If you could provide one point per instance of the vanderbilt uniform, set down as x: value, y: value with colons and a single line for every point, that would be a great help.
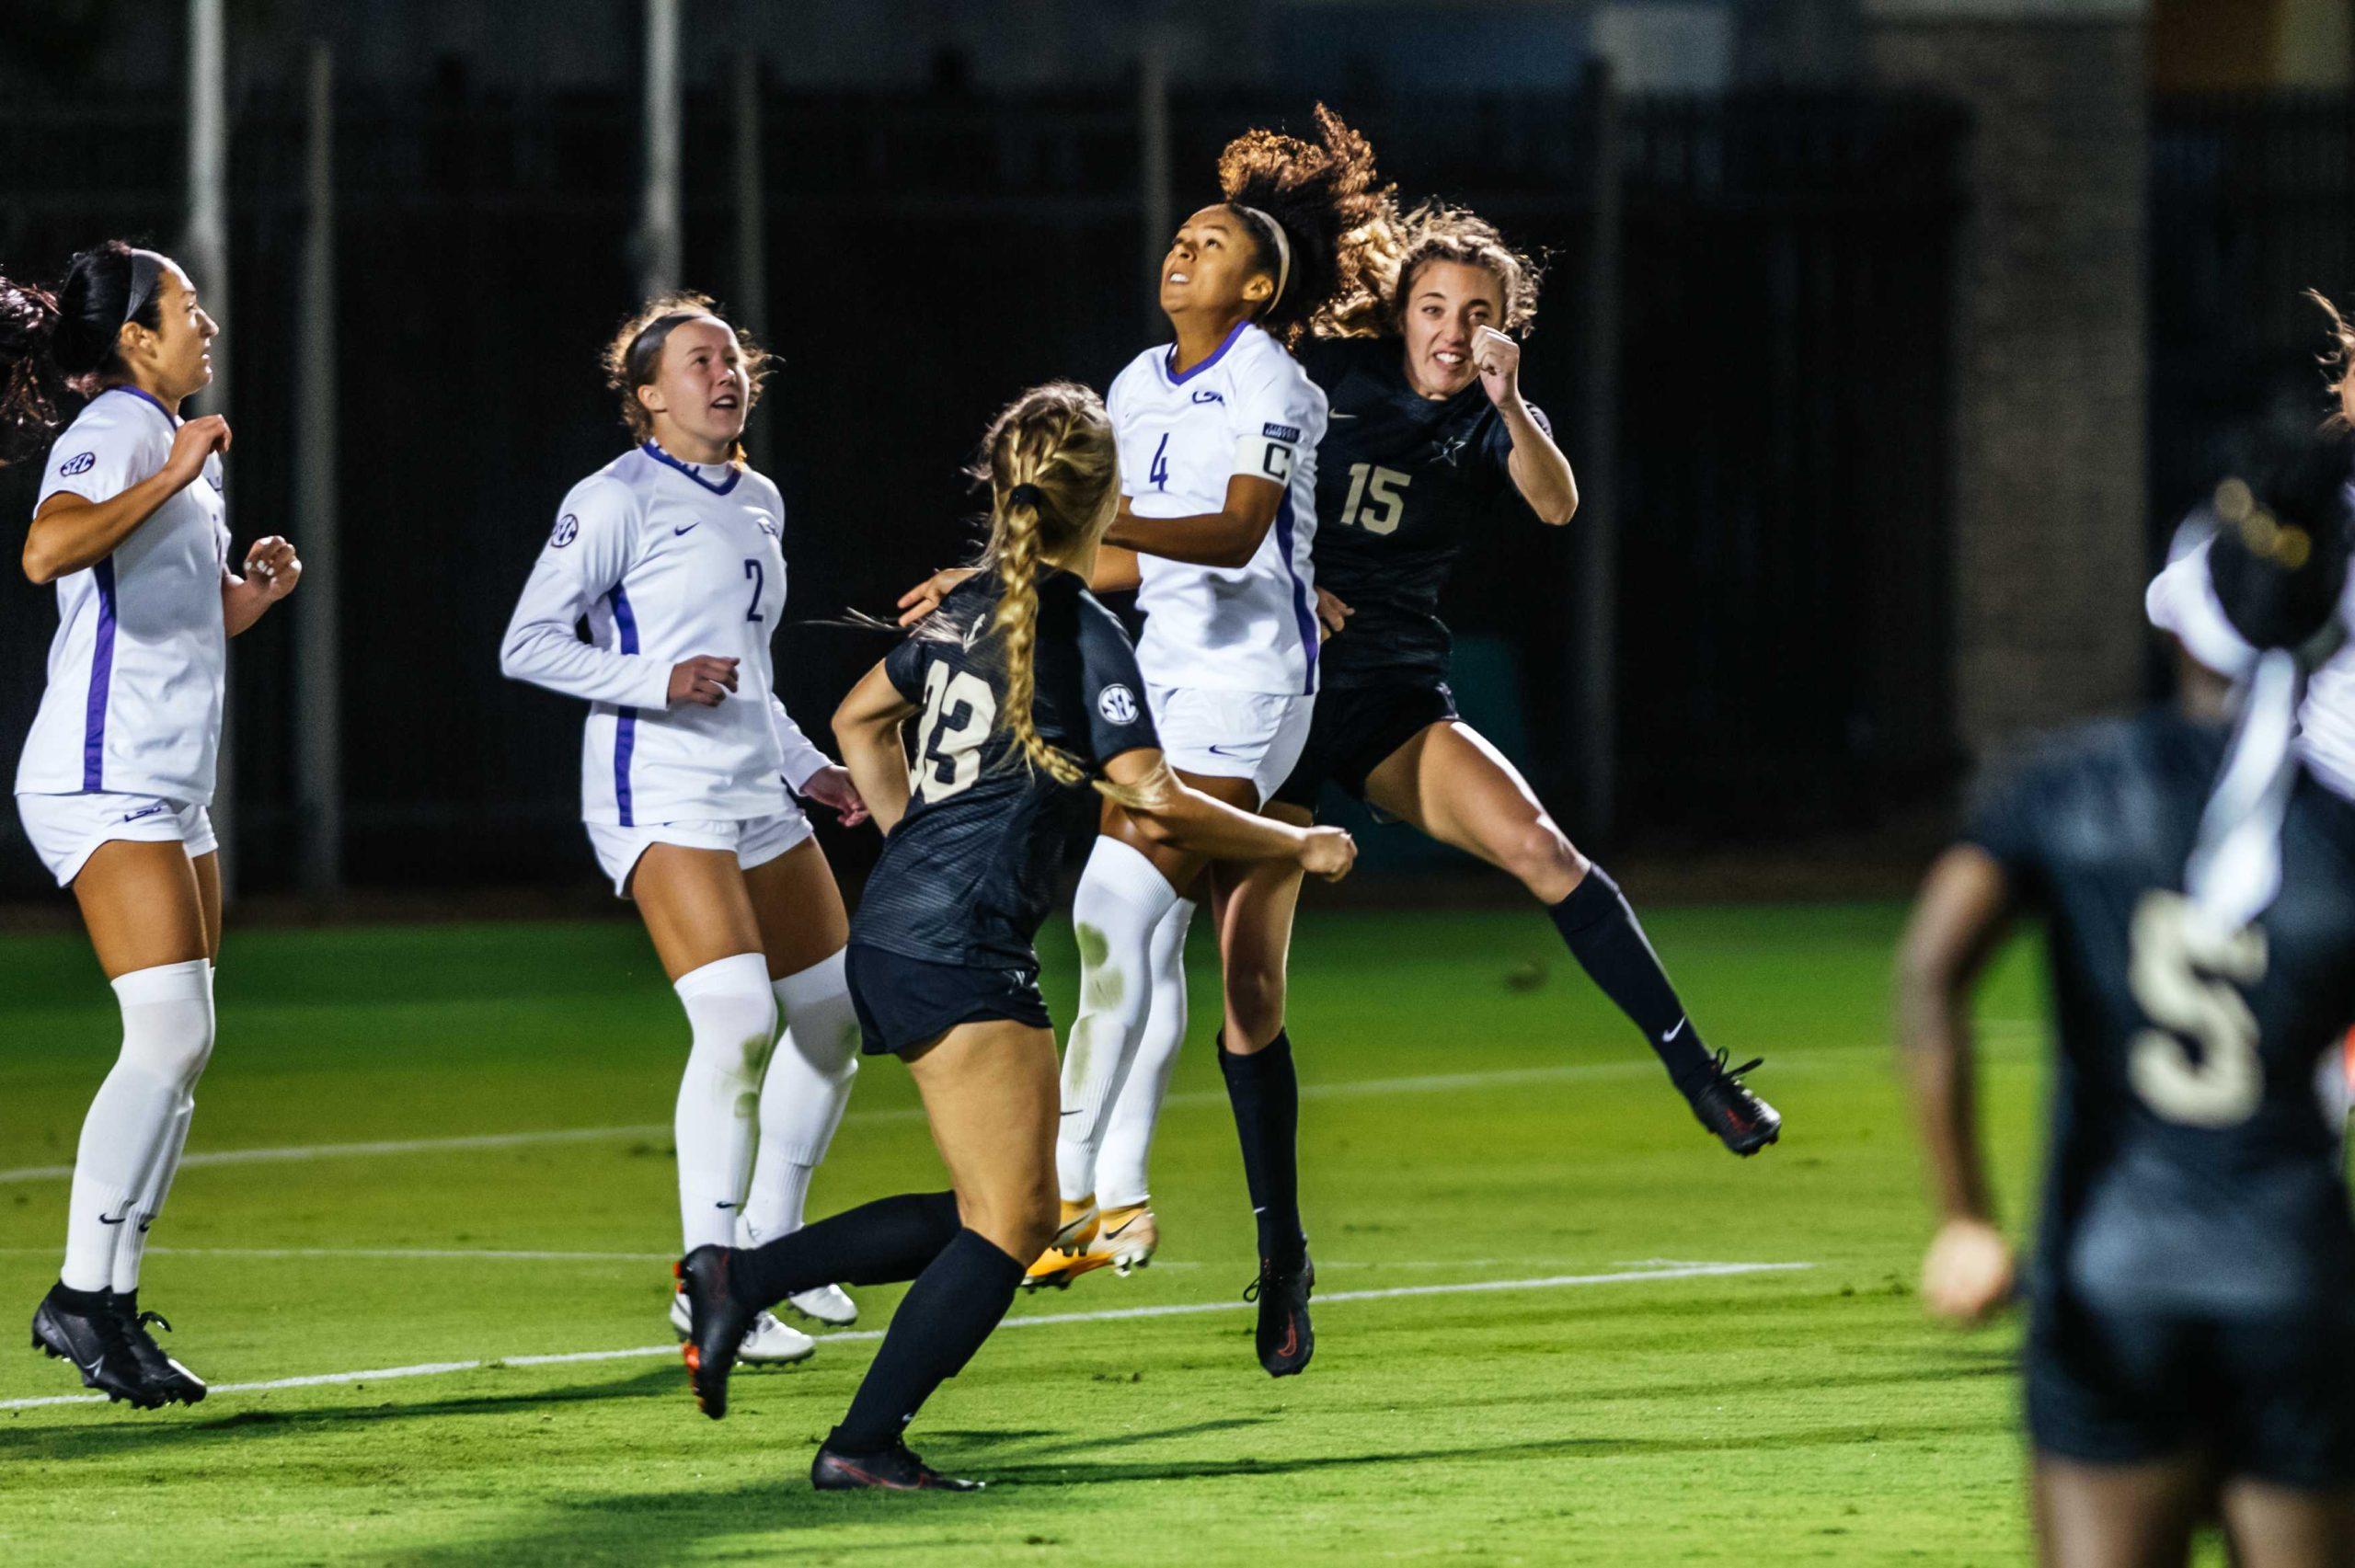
x: 128, y: 734
x: 2196, y: 1261
x: 1229, y: 653
x: 943, y: 934
x: 667, y: 561
x: 1402, y: 481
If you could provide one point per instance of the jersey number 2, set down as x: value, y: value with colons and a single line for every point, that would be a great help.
x: 959, y: 710
x: 760, y: 580
x: 2184, y: 977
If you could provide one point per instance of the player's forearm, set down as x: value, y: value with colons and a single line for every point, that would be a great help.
x: 71, y: 533
x: 1211, y: 539
x: 550, y: 656
x: 802, y: 759
x: 1186, y: 818
x: 1936, y: 1052
x: 1540, y: 470
x: 242, y: 603
x: 877, y: 767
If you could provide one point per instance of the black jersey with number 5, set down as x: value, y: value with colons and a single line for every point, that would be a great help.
x: 969, y: 874
x: 1401, y: 479
x: 2194, y: 1166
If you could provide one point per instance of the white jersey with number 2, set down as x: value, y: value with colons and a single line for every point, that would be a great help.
x: 1250, y: 410
x: 666, y: 561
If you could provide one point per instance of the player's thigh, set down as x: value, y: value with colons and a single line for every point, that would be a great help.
x: 1183, y: 870
x: 2138, y: 1516
x: 798, y: 908
x: 207, y: 867
x: 1451, y: 783
x: 696, y: 906
x: 993, y: 1093
x: 1254, y: 905
x: 2282, y: 1526
x: 141, y: 904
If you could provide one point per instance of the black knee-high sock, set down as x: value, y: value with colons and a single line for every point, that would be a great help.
x: 876, y: 1244
x: 1604, y: 937
x: 952, y: 1307
x: 1266, y: 1097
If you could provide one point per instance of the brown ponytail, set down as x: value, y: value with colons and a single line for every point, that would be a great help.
x: 1054, y: 472
x: 2339, y: 362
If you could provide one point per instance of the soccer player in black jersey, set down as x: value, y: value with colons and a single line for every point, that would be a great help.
x: 1025, y: 691
x: 2192, y: 1289
x: 1430, y: 440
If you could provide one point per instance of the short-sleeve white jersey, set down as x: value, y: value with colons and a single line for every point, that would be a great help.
x: 1248, y: 408
x: 2182, y: 599
x: 136, y: 670
x: 666, y: 561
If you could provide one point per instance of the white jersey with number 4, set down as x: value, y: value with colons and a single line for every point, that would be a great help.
x: 666, y: 561
x: 137, y: 667
x: 1248, y: 408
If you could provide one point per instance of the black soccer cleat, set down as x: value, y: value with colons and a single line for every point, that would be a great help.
x: 716, y: 1325
x: 1286, y: 1339
x: 163, y: 1374
x: 1724, y: 1105
x: 88, y: 1333
x: 893, y: 1469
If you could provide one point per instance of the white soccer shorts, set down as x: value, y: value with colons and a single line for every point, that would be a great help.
x: 1232, y: 735
x: 66, y: 829
x: 756, y: 840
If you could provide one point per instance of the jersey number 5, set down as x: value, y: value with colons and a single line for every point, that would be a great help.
x: 959, y: 710
x: 1378, y: 489
x: 2184, y: 977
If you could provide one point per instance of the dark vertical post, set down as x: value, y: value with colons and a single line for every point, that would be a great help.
x: 751, y: 305
x: 317, y: 629
x: 1592, y: 643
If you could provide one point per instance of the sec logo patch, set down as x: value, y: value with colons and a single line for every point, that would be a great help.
x: 80, y: 462
x: 567, y: 529
x: 1117, y: 705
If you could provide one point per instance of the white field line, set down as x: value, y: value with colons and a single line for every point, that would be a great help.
x: 1123, y: 1314
x: 1430, y: 1083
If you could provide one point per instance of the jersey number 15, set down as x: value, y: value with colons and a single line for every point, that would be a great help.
x: 1378, y: 489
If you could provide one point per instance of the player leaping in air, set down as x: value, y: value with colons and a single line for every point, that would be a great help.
x: 1027, y: 704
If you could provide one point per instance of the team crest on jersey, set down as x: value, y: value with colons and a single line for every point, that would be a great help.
x: 1204, y: 394
x: 80, y: 462
x: 768, y: 525
x: 1281, y: 433
x: 1117, y: 705
x: 567, y: 529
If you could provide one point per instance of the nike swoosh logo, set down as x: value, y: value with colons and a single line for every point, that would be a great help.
x: 1071, y: 1113
x: 1222, y: 752
x: 1671, y: 1035
x: 1122, y: 1226
x: 115, y: 1220
x: 689, y: 529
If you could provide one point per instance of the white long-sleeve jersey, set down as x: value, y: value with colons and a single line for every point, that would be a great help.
x: 1248, y: 408
x: 138, y: 665
x: 666, y: 561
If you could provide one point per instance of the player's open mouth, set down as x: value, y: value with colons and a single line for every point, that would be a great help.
x: 1449, y: 357
x: 727, y: 400
x: 1180, y: 278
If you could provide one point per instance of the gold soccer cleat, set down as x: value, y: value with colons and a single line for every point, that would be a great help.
x: 1121, y: 1239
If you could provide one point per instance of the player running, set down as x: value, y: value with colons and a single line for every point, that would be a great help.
x: 2190, y: 1290
x: 1218, y: 433
x: 673, y: 555
x: 1025, y: 692
x: 118, y: 769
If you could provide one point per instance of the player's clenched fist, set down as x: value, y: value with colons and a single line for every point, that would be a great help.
x: 703, y: 680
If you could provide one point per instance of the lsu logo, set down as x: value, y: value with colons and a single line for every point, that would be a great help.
x: 80, y: 462
x: 567, y: 529
x: 1117, y: 705
x: 768, y: 525
x: 1204, y: 394
x: 1281, y: 433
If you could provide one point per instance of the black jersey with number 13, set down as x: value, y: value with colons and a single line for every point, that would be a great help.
x: 968, y: 875
x: 1401, y: 479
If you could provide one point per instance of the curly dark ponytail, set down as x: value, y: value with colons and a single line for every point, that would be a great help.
x: 1322, y: 196
x: 53, y: 344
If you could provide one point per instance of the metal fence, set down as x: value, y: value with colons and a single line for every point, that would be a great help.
x: 1779, y: 404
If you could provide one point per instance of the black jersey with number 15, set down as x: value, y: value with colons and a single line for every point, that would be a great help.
x: 969, y: 874
x: 1401, y: 479
x: 2193, y: 1170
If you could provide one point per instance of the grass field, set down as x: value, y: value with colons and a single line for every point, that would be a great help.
x: 1476, y: 1114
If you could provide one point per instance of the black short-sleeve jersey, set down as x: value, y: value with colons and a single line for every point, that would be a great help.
x: 1401, y: 480
x: 2193, y: 1166
x: 969, y: 874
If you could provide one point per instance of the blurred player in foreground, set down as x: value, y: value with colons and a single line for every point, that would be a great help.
x: 1028, y: 705
x: 2192, y: 1294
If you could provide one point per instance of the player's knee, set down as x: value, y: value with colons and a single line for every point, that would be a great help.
x: 167, y: 1021
x: 1255, y: 1000
x: 1019, y: 1224
x: 1542, y: 860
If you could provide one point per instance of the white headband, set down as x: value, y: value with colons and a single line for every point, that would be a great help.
x: 1283, y: 250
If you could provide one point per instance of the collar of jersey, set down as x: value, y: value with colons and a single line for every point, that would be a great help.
x: 149, y: 398
x: 659, y: 455
x: 1215, y: 356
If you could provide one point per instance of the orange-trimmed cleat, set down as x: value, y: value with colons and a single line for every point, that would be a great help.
x: 1121, y: 1239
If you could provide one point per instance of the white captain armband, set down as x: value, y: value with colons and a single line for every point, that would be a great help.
x: 1266, y: 455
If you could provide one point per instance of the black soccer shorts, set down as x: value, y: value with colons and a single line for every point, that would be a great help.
x: 1358, y: 729
x: 903, y: 1003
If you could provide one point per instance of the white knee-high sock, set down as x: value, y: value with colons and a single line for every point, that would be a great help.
x: 167, y: 1037
x: 733, y: 1015
x: 802, y: 1098
x: 1122, y: 899
x: 1128, y: 1132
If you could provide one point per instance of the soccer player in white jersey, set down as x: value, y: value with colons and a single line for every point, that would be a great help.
x: 118, y: 769
x: 673, y: 555
x: 1218, y: 434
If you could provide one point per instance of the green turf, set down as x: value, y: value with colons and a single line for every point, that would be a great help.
x: 1806, y: 1417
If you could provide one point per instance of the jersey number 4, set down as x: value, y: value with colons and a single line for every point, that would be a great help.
x: 1378, y: 489
x: 959, y: 710
x: 2184, y: 977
